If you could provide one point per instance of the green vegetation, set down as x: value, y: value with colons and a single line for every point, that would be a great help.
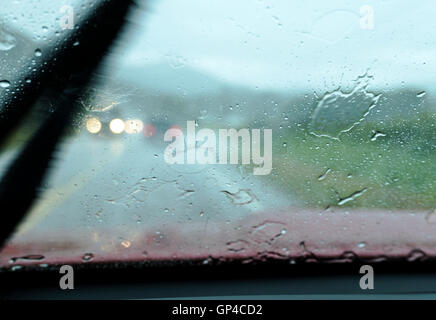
x: 396, y: 170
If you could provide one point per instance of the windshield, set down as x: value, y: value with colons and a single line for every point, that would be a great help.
x: 248, y: 130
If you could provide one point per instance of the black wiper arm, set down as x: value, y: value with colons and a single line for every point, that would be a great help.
x: 70, y: 73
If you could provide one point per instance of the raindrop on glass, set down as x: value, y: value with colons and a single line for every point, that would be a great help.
x: 4, y: 83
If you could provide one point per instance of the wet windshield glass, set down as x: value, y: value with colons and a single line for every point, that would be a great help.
x: 223, y: 129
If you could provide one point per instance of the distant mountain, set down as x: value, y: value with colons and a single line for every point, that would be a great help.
x: 163, y: 91
x: 167, y: 79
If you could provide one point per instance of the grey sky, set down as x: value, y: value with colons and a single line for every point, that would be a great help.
x: 278, y: 44
x: 288, y: 44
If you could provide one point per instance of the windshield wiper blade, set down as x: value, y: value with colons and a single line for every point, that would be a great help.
x: 71, y: 72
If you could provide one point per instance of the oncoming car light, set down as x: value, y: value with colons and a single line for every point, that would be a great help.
x: 93, y: 125
x: 117, y: 126
x: 133, y: 126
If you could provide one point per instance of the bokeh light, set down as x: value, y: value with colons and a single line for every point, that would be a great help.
x: 149, y: 130
x: 117, y: 126
x: 133, y: 126
x: 93, y: 125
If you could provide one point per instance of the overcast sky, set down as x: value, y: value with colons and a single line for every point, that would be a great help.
x: 278, y: 44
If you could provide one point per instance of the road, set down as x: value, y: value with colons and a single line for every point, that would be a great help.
x: 124, y: 180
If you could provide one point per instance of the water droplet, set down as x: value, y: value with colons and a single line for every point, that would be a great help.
x: 4, y: 83
x: 338, y: 112
x: 421, y: 94
x: 277, y: 20
x: 87, y: 257
x: 15, y: 268
x: 416, y: 255
x: 236, y: 245
x: 378, y: 259
x: 38, y: 53
x: 28, y: 257
x: 352, y: 197
x: 362, y: 244
x: 349, y: 256
x: 324, y: 175
x: 243, y: 196
x: 126, y: 243
x: 7, y: 41
x: 376, y: 135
